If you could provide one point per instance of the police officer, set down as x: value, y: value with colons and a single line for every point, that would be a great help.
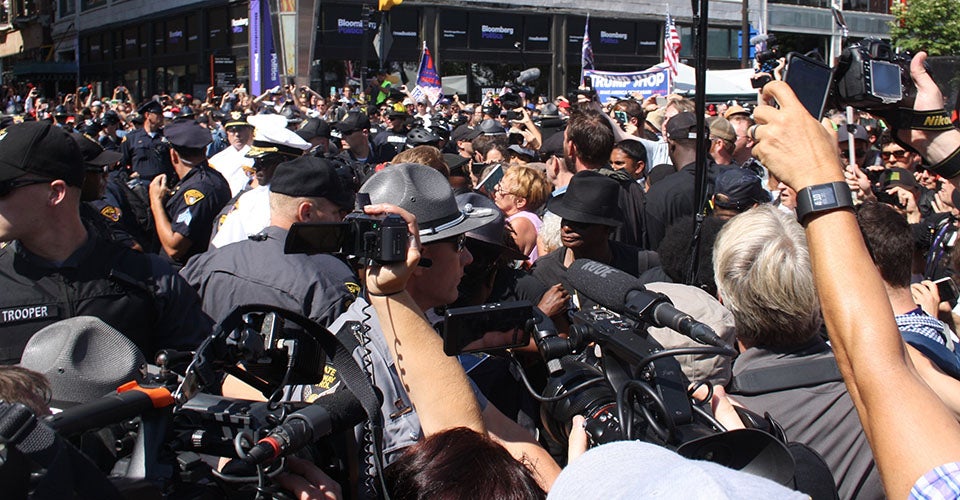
x: 100, y: 215
x: 249, y: 212
x: 391, y: 141
x: 184, y: 214
x: 232, y: 162
x: 109, y: 139
x: 54, y: 268
x: 257, y: 271
x: 142, y: 149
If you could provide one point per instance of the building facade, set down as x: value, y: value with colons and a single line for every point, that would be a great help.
x: 151, y: 46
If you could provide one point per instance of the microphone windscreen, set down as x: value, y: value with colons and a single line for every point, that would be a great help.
x: 344, y: 409
x: 603, y: 284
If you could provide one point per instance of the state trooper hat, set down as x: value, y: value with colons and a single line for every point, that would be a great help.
x: 42, y: 149
x: 84, y: 359
x: 425, y: 193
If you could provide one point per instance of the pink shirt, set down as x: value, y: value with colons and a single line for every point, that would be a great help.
x: 537, y: 223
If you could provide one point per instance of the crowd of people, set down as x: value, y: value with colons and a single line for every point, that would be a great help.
x: 830, y: 274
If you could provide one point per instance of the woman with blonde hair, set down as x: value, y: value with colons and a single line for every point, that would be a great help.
x: 520, y: 194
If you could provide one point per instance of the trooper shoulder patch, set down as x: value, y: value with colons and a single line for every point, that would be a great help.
x: 111, y: 212
x: 353, y: 288
x: 192, y: 196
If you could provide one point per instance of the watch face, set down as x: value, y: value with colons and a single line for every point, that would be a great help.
x: 823, y: 196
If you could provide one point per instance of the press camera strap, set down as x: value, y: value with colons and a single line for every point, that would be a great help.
x: 69, y: 474
x: 785, y: 377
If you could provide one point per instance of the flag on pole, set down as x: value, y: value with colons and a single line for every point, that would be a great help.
x: 428, y: 80
x: 671, y: 46
x: 586, y: 50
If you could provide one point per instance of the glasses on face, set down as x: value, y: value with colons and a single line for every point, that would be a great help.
x: 7, y: 187
x: 459, y: 241
x: 498, y: 189
x: 899, y: 154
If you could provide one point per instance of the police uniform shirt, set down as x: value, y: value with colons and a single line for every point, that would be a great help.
x: 401, y: 425
x: 235, y: 167
x: 109, y: 143
x: 195, y: 203
x: 138, y: 294
x: 389, y: 142
x: 256, y: 271
x: 250, y: 214
x: 139, y: 151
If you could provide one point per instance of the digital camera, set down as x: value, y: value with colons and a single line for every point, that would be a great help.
x: 871, y: 76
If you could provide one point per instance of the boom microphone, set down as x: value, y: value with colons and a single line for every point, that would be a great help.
x: 528, y: 75
x: 622, y: 293
x: 758, y: 39
x: 336, y: 412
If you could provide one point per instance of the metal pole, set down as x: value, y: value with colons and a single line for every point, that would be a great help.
x: 701, y: 175
x: 745, y: 34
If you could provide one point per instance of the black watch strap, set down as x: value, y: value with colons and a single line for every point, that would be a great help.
x: 823, y: 198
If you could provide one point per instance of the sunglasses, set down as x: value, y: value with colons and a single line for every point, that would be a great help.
x: 7, y: 187
x: 896, y: 154
x: 459, y: 241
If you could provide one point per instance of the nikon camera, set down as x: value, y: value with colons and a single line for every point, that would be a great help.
x: 870, y: 76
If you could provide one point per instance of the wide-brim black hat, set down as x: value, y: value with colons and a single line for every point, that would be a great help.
x: 591, y: 198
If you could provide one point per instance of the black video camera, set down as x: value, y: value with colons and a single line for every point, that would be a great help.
x: 871, y: 76
x: 380, y: 239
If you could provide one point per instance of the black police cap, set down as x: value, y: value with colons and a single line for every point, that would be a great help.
x: 150, y: 106
x: 187, y: 134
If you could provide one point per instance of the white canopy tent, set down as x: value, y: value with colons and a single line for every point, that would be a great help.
x: 721, y: 84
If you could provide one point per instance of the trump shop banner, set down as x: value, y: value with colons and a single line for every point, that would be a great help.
x: 616, y: 85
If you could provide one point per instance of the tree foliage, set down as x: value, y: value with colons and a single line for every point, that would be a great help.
x: 930, y: 25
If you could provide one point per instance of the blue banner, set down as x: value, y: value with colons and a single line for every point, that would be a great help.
x: 428, y: 79
x: 617, y: 85
x: 264, y: 63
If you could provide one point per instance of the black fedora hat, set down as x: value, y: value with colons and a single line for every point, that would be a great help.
x: 591, y: 198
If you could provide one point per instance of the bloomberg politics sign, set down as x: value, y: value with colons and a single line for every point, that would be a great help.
x: 616, y: 85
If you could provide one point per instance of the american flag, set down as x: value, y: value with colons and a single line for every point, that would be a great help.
x: 671, y: 46
x: 586, y: 50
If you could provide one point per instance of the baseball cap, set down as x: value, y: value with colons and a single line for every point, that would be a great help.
x: 492, y: 127
x: 313, y: 177
x: 859, y: 133
x: 683, y: 125
x: 93, y: 153
x: 465, y: 133
x: 313, y: 127
x: 738, y: 189
x: 736, y: 109
x: 425, y: 193
x: 898, y: 177
x: 352, y: 122
x: 722, y: 129
x: 39, y: 148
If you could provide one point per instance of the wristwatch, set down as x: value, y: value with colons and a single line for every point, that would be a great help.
x: 823, y: 198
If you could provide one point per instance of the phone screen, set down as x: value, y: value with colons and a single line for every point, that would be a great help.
x: 810, y: 80
x: 487, y: 327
